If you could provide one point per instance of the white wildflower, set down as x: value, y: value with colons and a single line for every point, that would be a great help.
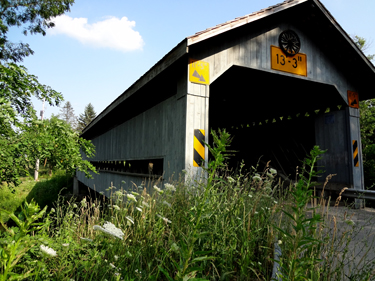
x: 131, y: 197
x: 116, y: 207
x: 111, y: 229
x: 86, y: 239
x: 112, y: 265
x: 65, y: 244
x: 139, y: 209
x: 169, y: 187
x: 75, y: 205
x: 118, y: 193
x: 230, y: 180
x: 145, y: 203
x: 135, y: 193
x: 83, y: 202
x: 273, y: 171
x: 47, y: 250
x: 275, y: 202
x: 164, y: 219
x: 257, y: 178
x: 158, y: 189
x: 166, y: 203
x: 52, y: 210
x: 130, y: 219
x: 251, y: 196
x: 279, y: 242
x: 116, y: 257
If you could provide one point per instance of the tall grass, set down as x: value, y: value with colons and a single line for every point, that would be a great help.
x: 221, y: 228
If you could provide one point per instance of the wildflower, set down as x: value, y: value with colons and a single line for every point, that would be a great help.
x: 135, y: 193
x: 131, y: 197
x: 139, y: 209
x: 174, y: 247
x: 130, y: 219
x: 257, y: 178
x: 118, y: 193
x: 65, y: 244
x: 164, y: 219
x: 273, y: 171
x: 111, y: 229
x: 279, y: 242
x: 86, y: 239
x: 52, y: 210
x: 169, y: 187
x: 145, y: 203
x: 112, y: 265
x: 251, y: 196
x: 116, y: 207
x: 75, y: 205
x: 116, y: 257
x: 166, y: 203
x: 48, y: 250
x: 158, y: 189
x: 230, y: 180
x: 275, y: 202
x: 83, y: 202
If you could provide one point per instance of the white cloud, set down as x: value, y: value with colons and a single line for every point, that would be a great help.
x: 111, y: 33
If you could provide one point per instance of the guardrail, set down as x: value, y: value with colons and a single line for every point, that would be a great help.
x: 359, y: 194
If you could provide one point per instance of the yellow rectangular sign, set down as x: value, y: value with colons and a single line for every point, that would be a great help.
x: 199, y: 72
x: 296, y: 64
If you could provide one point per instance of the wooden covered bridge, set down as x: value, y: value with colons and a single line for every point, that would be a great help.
x: 280, y: 80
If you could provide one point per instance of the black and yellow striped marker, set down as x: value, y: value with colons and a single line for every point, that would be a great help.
x: 198, y: 148
x: 355, y: 153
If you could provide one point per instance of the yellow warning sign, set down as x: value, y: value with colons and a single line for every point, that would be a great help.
x: 199, y: 72
x: 353, y: 99
x: 296, y: 64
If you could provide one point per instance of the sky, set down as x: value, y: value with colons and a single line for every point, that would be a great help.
x: 100, y: 48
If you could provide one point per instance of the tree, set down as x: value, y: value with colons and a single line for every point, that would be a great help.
x: 86, y: 117
x: 362, y: 45
x: 34, y: 15
x: 24, y: 138
x: 67, y: 114
x: 367, y: 123
x: 58, y: 145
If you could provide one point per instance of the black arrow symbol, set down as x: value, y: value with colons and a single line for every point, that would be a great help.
x: 354, y: 102
x: 195, y: 74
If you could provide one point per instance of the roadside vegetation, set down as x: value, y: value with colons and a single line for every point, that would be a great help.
x: 227, y: 227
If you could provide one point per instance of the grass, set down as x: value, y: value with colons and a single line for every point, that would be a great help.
x: 223, y: 228
x: 45, y: 191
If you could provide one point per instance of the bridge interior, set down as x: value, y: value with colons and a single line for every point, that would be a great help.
x: 270, y: 116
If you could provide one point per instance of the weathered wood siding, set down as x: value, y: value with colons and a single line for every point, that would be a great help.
x: 156, y: 133
x: 252, y: 50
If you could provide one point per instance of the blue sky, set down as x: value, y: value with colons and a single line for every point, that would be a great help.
x: 100, y: 48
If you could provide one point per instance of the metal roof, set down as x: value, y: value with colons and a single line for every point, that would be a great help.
x: 181, y: 49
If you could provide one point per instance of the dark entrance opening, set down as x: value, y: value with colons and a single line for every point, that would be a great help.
x: 271, y: 116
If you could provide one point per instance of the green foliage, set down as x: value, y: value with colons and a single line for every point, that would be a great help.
x: 367, y: 121
x: 301, y: 245
x: 33, y: 16
x: 362, y: 45
x: 67, y: 114
x: 59, y: 146
x: 16, y: 241
x: 86, y: 117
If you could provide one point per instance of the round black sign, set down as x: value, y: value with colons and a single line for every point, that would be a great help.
x: 289, y: 42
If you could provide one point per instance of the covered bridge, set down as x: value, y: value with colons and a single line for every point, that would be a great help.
x: 280, y: 80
